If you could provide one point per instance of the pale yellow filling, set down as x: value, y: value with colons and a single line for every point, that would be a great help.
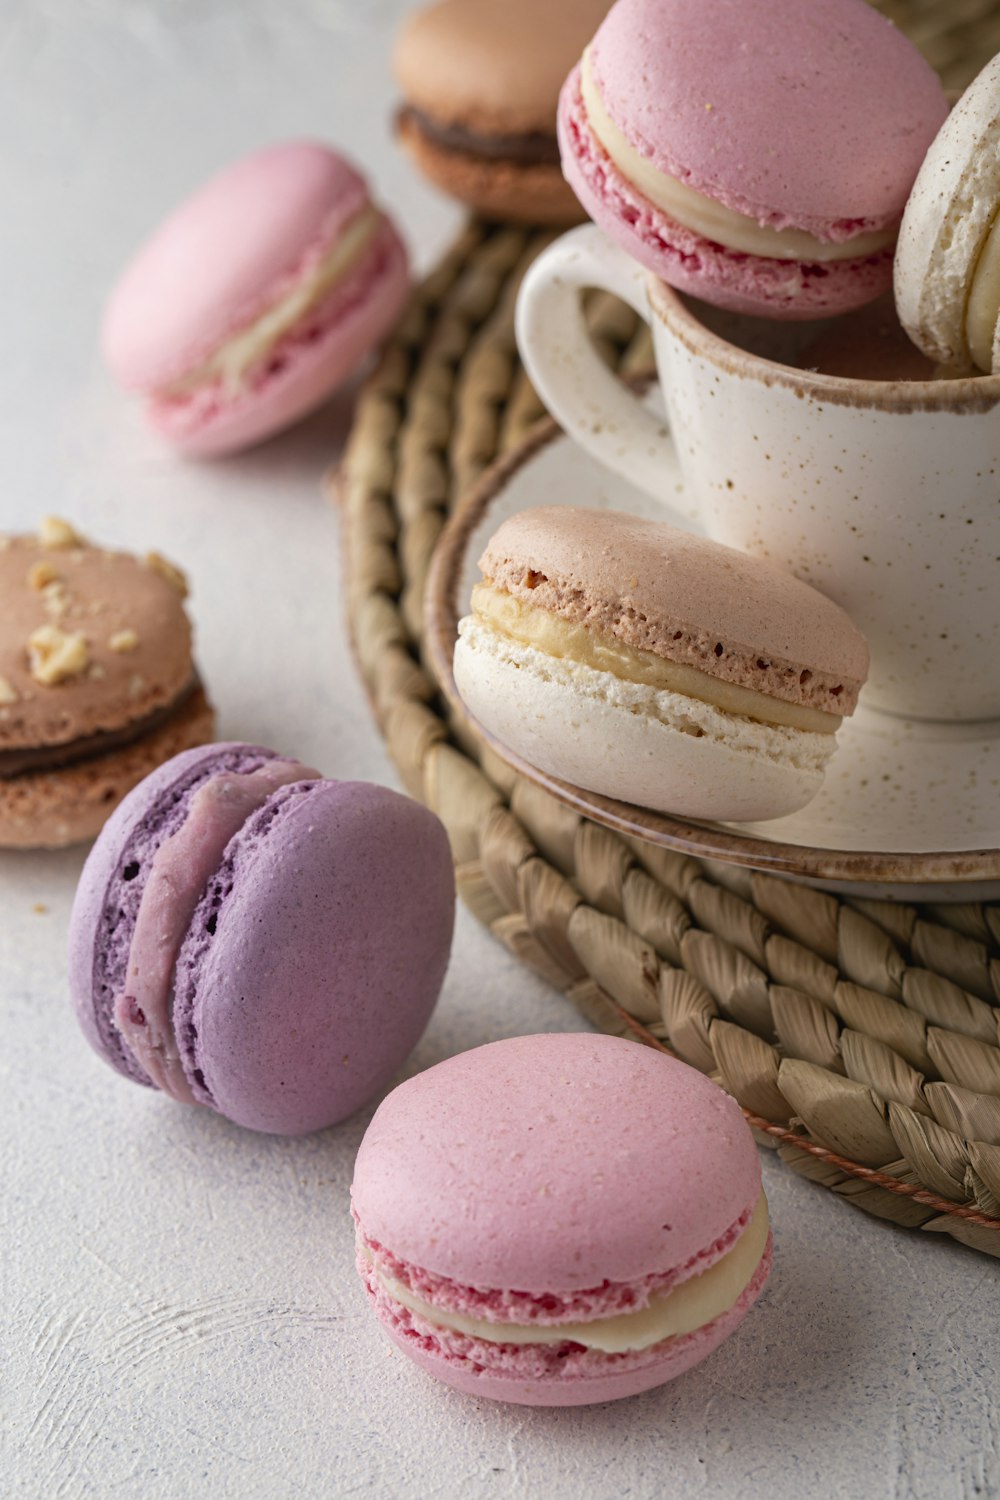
x: 684, y: 1309
x: 233, y: 360
x: 983, y: 306
x: 712, y: 220
x: 566, y: 641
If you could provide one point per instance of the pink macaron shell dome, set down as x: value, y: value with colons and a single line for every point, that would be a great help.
x: 309, y: 364
x: 555, y: 1164
x: 796, y: 113
x: 223, y: 256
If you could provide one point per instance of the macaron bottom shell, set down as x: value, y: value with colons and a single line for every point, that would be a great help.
x: 608, y: 736
x: 53, y: 809
x: 556, y: 1375
x: 730, y: 279
x: 306, y: 367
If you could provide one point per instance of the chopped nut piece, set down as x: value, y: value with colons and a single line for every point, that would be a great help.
x: 54, y: 532
x: 40, y: 574
x: 174, y: 576
x: 136, y: 685
x: 7, y: 693
x: 96, y: 671
x: 124, y: 640
x: 54, y: 655
x: 56, y: 598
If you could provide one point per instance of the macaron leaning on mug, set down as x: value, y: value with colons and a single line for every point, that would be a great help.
x: 254, y: 939
x: 947, y: 272
x: 557, y: 1220
x: 645, y: 663
x: 256, y: 298
x: 480, y: 81
x: 755, y: 153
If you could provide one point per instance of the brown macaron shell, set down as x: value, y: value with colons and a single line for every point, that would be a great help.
x: 97, y: 682
x: 685, y: 598
x: 51, y: 809
x: 136, y: 633
x: 480, y: 81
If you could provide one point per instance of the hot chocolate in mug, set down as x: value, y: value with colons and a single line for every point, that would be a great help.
x: 883, y: 494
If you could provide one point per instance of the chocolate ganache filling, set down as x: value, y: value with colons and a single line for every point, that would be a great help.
x: 534, y: 148
x: 56, y: 757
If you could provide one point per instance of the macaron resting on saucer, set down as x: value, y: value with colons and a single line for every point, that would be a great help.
x: 636, y: 660
x: 947, y: 273
x: 480, y: 82
x: 557, y: 1220
x: 256, y: 298
x: 755, y: 153
x: 97, y: 681
x: 249, y: 937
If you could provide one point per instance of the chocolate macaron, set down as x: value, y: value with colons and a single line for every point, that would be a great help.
x: 97, y: 682
x: 480, y: 82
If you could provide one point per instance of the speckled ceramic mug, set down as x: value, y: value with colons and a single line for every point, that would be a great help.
x: 883, y: 494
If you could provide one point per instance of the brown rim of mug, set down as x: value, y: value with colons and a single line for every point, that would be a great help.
x: 965, y: 395
x: 699, y: 840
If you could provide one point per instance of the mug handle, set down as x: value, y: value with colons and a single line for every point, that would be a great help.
x: 590, y: 403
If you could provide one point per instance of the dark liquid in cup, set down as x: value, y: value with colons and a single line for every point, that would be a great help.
x: 868, y: 344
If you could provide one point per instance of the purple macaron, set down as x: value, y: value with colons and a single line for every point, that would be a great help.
x: 251, y: 937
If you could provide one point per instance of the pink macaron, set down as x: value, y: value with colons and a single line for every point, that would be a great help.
x: 251, y: 938
x: 755, y: 153
x: 256, y: 298
x: 557, y: 1220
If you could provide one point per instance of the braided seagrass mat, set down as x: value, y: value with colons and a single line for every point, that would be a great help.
x: 861, y: 1037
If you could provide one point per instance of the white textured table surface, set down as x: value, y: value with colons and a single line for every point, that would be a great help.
x: 179, y: 1314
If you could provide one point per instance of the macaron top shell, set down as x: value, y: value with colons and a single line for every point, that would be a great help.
x: 799, y: 114
x: 551, y: 1164
x: 134, y: 652
x: 949, y: 214
x: 223, y: 256
x: 685, y: 597
x: 314, y: 959
x: 493, y: 65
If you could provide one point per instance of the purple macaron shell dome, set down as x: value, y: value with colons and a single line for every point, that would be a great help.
x: 313, y: 960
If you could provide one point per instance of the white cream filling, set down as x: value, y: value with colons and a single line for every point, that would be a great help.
x: 983, y: 306
x: 232, y: 361
x: 712, y: 220
x: 683, y: 1309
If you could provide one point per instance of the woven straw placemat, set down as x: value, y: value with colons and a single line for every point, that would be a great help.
x: 861, y: 1037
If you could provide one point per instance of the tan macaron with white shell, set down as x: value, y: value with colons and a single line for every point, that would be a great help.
x: 648, y: 664
x: 947, y: 267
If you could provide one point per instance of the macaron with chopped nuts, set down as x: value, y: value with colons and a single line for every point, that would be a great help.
x: 97, y: 681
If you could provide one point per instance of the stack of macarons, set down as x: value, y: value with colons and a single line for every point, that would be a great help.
x: 757, y: 155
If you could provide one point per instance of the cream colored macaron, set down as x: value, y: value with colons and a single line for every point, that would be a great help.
x: 947, y: 267
x: 642, y: 662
